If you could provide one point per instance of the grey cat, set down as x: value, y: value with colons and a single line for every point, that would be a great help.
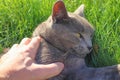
x: 66, y: 38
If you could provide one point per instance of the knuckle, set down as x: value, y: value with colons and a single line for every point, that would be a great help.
x: 26, y: 38
x: 37, y: 39
x: 15, y: 45
x: 27, y: 49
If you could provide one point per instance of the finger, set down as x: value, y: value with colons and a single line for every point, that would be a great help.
x: 33, y: 45
x: 15, y: 45
x: 25, y: 41
x: 47, y: 71
x: 5, y: 56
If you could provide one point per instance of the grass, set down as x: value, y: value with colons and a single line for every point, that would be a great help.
x: 18, y: 19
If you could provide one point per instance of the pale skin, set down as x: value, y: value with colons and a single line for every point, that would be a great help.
x: 18, y: 63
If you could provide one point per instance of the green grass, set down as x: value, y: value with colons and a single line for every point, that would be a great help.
x: 18, y: 19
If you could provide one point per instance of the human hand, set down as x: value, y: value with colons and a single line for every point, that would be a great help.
x: 18, y: 63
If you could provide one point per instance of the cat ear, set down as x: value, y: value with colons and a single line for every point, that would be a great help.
x: 59, y: 11
x: 80, y: 11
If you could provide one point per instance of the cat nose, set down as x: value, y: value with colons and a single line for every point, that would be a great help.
x: 90, y: 48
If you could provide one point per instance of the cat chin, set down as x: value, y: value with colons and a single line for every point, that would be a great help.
x: 86, y: 52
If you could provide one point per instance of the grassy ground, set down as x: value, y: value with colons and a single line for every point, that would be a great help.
x: 18, y: 19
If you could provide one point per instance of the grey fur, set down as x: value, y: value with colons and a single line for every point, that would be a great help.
x: 68, y: 40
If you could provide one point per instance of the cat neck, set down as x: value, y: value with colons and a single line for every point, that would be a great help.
x: 75, y: 62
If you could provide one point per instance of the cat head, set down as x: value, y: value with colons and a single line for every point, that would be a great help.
x: 66, y: 30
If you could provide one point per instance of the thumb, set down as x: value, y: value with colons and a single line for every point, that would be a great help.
x: 46, y: 71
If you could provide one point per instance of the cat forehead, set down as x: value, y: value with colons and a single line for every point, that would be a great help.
x: 75, y: 23
x: 81, y: 22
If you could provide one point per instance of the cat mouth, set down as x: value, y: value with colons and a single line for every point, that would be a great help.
x: 90, y: 49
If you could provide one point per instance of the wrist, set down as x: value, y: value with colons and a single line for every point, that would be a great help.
x: 4, y: 73
x: 3, y: 77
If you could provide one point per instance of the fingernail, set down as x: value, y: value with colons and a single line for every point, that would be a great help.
x: 59, y: 65
x: 38, y: 37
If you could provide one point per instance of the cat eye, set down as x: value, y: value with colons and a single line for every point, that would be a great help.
x: 79, y: 35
